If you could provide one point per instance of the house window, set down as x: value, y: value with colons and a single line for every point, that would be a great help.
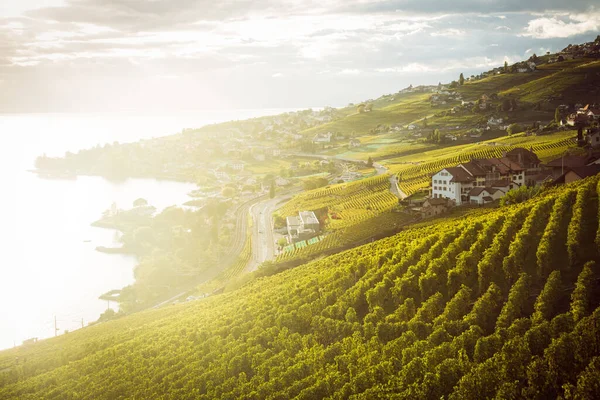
x: 435, y: 181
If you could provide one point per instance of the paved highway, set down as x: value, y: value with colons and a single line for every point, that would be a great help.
x: 263, y: 238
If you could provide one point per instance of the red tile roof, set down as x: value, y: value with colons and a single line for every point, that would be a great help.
x: 500, y: 183
x: 571, y: 161
x: 459, y: 174
x: 474, y: 168
x: 588, y: 170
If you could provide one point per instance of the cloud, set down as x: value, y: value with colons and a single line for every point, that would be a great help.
x: 449, y: 32
x: 235, y: 47
x: 349, y: 71
x: 561, y: 27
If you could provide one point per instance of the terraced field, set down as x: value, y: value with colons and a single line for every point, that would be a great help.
x: 498, y: 304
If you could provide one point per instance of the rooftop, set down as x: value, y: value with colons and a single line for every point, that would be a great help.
x: 588, y: 170
x: 308, y: 217
x: 459, y: 174
x: 571, y: 161
x: 437, y: 201
x: 293, y: 221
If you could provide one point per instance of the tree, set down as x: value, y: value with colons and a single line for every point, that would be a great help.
x: 370, y: 162
x: 361, y: 108
x: 534, y: 58
x: 272, y: 190
x: 461, y: 79
x: 557, y: 115
x: 140, y: 202
x: 228, y: 192
x: 514, y: 128
x: 505, y: 66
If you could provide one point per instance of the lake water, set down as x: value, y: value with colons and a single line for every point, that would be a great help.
x: 48, y: 265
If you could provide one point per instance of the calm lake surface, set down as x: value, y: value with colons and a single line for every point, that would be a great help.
x: 48, y: 265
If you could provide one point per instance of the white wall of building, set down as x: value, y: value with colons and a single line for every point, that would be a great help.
x: 442, y: 187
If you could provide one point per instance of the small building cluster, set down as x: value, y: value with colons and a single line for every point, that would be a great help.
x: 481, y: 181
x: 304, y: 226
x: 584, y: 115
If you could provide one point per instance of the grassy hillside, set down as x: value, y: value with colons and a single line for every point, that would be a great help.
x: 500, y: 304
x: 575, y: 81
x: 537, y: 95
x: 358, y: 211
x: 404, y: 109
x: 366, y: 208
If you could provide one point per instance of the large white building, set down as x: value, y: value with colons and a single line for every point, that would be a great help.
x: 455, y: 183
x: 451, y: 183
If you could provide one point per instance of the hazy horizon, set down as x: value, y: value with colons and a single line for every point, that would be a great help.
x: 88, y: 55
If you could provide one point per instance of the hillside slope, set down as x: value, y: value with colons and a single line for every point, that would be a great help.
x: 499, y: 304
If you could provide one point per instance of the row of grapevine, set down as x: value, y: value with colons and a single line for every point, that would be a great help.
x: 454, y: 309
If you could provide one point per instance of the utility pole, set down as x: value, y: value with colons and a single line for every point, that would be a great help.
x: 55, y: 327
x: 82, y: 322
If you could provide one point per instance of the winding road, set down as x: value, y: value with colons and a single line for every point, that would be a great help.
x: 263, y: 238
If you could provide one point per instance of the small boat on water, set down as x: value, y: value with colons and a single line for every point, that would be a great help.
x: 86, y: 241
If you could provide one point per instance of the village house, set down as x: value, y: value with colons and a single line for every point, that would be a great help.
x: 542, y: 178
x: 567, y: 162
x: 433, y: 207
x: 279, y: 181
x: 273, y: 152
x: 526, y: 158
x: 304, y: 226
x: 494, y: 121
x: 578, y: 173
x: 592, y: 137
x: 295, y: 136
x: 451, y: 183
x: 484, y: 195
x: 354, y: 143
x: 237, y: 165
x: 577, y: 119
x: 505, y: 173
x: 220, y: 174
x: 322, y: 138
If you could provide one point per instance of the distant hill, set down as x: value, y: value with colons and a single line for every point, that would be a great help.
x: 569, y: 77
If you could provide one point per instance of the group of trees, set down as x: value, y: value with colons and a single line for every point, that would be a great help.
x: 173, y: 247
x: 435, y: 136
x: 481, y: 306
x: 364, y: 107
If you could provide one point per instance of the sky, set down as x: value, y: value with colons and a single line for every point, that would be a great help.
x: 169, y: 55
